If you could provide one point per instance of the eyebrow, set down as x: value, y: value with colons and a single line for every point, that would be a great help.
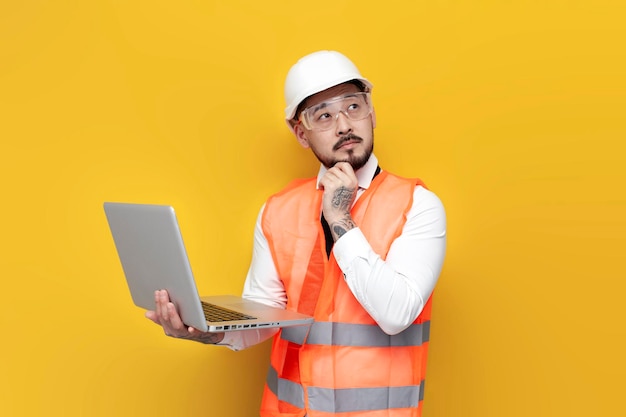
x: 319, y: 107
x: 324, y: 104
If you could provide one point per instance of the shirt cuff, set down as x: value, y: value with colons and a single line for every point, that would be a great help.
x: 230, y: 342
x: 350, y: 246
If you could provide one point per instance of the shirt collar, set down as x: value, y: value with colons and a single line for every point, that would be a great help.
x: 364, y: 175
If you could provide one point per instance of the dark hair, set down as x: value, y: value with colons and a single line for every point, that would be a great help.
x: 358, y: 83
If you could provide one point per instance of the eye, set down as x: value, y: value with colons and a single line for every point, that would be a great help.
x: 324, y: 116
x: 353, y: 107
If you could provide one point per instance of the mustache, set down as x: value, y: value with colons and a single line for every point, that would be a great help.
x: 346, y: 138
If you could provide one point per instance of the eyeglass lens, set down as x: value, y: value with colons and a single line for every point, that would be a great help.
x: 323, y: 116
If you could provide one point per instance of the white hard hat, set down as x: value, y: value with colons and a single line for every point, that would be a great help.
x: 317, y: 72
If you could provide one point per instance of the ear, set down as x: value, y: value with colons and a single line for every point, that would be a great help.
x: 301, y: 135
x: 373, y: 118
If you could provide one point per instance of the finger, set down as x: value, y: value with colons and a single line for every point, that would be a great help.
x: 332, y: 178
x: 163, y: 301
x: 174, y: 318
x: 344, y: 167
x: 152, y: 316
x: 331, y: 184
x: 158, y: 308
x: 346, y: 174
x: 328, y: 182
x: 343, y: 172
x: 157, y: 303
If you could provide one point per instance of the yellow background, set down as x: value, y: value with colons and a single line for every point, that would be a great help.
x: 511, y: 111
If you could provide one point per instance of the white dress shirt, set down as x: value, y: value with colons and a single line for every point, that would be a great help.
x: 392, y: 291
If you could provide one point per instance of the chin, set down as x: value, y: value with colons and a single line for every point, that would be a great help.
x: 356, y: 161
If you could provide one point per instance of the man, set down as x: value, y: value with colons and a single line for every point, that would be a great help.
x: 358, y: 248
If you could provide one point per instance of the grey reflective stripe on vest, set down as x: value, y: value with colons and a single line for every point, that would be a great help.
x: 345, y: 400
x: 295, y: 334
x: 346, y: 334
x: 364, y: 399
x: 285, y: 390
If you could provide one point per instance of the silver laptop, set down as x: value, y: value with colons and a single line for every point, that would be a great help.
x: 153, y: 257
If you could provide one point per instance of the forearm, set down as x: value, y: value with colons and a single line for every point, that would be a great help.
x: 244, y: 339
x: 341, y: 226
x: 394, y: 291
x: 393, y: 299
x: 206, y: 338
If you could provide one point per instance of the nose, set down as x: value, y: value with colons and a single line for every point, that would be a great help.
x: 343, y: 124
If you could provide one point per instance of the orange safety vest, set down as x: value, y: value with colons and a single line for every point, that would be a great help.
x: 343, y: 364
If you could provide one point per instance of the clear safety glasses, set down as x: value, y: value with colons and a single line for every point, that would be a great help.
x: 323, y: 116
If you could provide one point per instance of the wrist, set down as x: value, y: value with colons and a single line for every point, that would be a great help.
x: 341, y: 226
x: 206, y: 338
x: 211, y: 338
x: 337, y: 217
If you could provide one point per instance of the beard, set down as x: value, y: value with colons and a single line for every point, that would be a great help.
x: 356, y: 160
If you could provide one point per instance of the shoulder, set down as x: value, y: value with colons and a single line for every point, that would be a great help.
x: 425, y: 202
x: 422, y: 195
x: 291, y: 198
x: 427, y: 209
x: 295, y: 186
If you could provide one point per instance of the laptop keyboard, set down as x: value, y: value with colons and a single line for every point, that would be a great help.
x: 215, y: 313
